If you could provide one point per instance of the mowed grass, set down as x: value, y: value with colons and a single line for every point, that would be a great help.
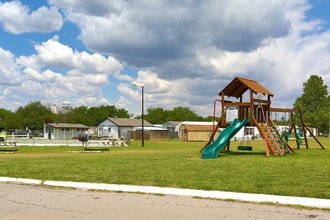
x: 177, y: 164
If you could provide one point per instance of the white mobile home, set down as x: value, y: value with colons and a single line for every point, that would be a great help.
x: 64, y: 131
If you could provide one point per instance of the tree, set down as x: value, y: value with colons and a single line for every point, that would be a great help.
x: 95, y: 115
x: 159, y: 115
x: 184, y: 114
x: 34, y: 121
x: 156, y: 115
x: 315, y: 103
x: 33, y: 116
x: 80, y: 116
x: 7, y: 119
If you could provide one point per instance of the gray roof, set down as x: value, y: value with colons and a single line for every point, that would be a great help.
x: 67, y: 125
x: 129, y: 122
x: 175, y: 123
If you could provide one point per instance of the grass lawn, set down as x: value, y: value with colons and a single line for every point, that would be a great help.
x: 177, y: 164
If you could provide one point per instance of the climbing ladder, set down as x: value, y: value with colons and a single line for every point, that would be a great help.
x: 274, y: 144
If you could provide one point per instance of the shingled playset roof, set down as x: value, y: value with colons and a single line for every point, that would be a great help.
x: 238, y: 87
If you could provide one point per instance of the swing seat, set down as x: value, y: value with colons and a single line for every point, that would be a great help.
x: 241, y: 147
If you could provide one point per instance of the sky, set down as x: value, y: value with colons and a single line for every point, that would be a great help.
x: 88, y: 53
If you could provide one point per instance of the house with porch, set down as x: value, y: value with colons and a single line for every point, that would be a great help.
x: 64, y: 131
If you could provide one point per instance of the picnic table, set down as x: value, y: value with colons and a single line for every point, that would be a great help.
x: 106, y: 143
x: 8, y: 144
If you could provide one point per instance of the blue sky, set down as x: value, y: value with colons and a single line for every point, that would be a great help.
x: 88, y: 53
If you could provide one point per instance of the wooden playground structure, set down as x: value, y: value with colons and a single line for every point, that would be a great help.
x: 255, y: 105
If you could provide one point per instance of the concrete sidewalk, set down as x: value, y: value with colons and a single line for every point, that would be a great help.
x: 30, y: 202
x: 256, y: 198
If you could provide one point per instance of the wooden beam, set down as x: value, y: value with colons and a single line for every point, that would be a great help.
x: 251, y: 106
x: 304, y: 128
x: 237, y: 104
x: 261, y: 101
x: 222, y: 120
x: 271, y: 109
x: 293, y: 126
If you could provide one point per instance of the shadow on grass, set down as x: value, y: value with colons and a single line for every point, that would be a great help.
x: 96, y: 149
x: 90, y: 150
x: 6, y: 151
x: 237, y: 153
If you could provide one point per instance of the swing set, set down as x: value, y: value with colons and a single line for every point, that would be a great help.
x: 297, y: 113
x: 257, y: 111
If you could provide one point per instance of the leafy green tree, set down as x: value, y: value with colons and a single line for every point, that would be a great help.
x: 156, y: 115
x: 7, y: 119
x: 100, y: 113
x: 159, y: 115
x: 315, y: 103
x: 80, y: 116
x: 183, y: 114
x: 122, y: 113
x: 34, y: 121
x: 95, y: 115
x: 26, y: 115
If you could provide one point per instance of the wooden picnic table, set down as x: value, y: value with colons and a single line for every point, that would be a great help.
x: 9, y: 144
x: 106, y: 143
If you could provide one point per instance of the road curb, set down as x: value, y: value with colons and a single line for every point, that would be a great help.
x: 258, y: 198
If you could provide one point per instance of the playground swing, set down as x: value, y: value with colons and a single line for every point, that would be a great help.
x: 243, y: 146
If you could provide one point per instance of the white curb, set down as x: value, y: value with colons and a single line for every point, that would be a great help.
x: 285, y: 200
x: 20, y: 180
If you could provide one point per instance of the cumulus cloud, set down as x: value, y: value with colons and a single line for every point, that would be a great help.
x: 56, y: 73
x: 17, y: 18
x: 145, y: 34
x: 10, y: 72
x: 193, y: 49
x: 186, y: 51
x: 54, y: 54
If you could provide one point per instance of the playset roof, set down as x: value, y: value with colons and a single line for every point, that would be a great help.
x: 238, y: 87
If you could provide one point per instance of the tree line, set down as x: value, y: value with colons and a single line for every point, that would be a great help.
x: 34, y: 115
x: 314, y: 103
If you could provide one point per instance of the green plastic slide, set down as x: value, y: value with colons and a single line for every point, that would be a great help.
x: 211, y: 151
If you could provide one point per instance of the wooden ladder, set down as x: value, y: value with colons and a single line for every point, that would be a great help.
x: 273, y: 142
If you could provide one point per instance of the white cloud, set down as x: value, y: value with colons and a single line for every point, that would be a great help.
x: 186, y: 51
x: 10, y: 72
x: 16, y: 18
x: 55, y: 74
x: 144, y: 34
x: 281, y: 64
x: 54, y: 54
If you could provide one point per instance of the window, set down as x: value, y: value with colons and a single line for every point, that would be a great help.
x: 248, y: 131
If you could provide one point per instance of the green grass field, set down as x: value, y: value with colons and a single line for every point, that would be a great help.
x: 177, y: 164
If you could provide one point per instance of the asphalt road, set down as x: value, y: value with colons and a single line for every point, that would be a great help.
x: 19, y: 201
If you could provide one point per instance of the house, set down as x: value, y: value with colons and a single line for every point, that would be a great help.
x: 64, y: 131
x: 119, y: 127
